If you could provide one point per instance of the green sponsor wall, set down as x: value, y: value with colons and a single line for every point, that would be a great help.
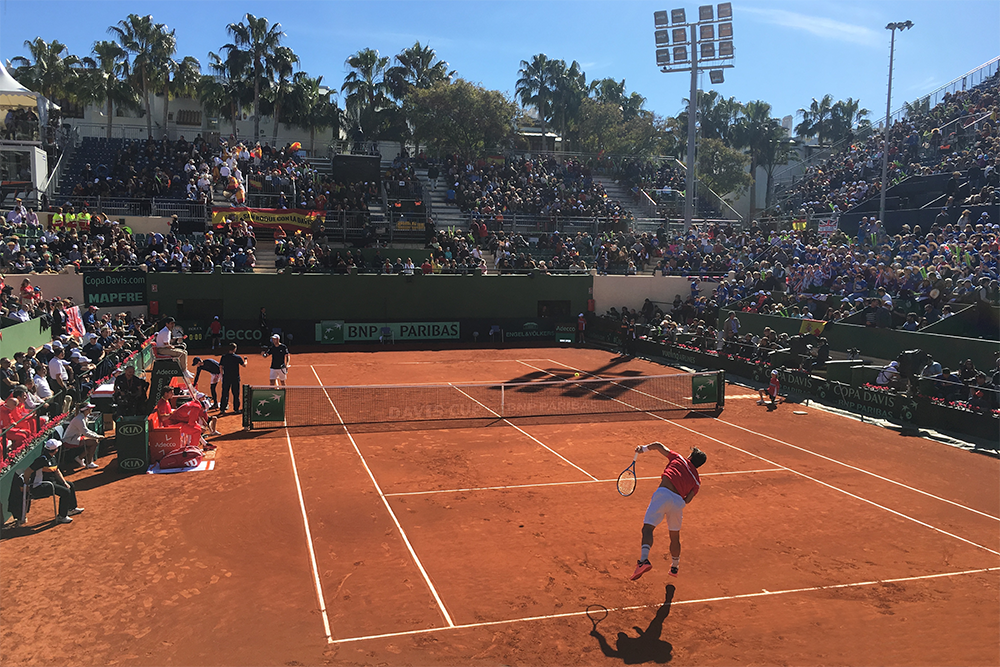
x: 314, y: 298
x: 881, y: 343
x: 19, y: 337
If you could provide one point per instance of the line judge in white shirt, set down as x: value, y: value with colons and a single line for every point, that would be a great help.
x: 164, y: 346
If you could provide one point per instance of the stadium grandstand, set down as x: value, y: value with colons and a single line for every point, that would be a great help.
x: 417, y: 291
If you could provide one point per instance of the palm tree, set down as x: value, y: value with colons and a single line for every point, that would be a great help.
x: 569, y: 87
x: 111, y: 74
x: 416, y: 68
x: 534, y: 87
x: 367, y: 92
x: 139, y: 36
x: 164, y: 48
x: 281, y: 65
x: 817, y: 119
x: 311, y: 106
x: 845, y: 115
x: 717, y: 116
x: 227, y: 91
x: 754, y: 131
x: 51, y: 70
x: 259, y: 40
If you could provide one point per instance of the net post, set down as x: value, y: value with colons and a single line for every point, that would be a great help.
x: 247, y: 421
x: 721, y: 394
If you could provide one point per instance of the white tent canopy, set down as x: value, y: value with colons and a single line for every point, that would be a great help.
x: 13, y: 94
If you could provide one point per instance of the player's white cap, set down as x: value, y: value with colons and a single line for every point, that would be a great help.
x: 275, y: 337
x: 774, y: 372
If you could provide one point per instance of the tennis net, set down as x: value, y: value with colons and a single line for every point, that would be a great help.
x: 320, y: 406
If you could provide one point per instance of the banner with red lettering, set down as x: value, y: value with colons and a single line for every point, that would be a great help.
x: 268, y: 217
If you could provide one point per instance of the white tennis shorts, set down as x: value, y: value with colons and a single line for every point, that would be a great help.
x: 215, y: 378
x: 279, y: 374
x: 665, y: 504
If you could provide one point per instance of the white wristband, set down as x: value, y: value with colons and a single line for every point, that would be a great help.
x: 645, y: 448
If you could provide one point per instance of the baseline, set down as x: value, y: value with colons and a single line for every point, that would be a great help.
x: 725, y: 598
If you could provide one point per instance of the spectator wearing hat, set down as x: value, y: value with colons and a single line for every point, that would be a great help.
x: 45, y: 468
x: 78, y: 434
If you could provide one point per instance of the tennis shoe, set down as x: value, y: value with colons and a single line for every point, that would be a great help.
x: 64, y: 519
x: 641, y: 568
x: 75, y: 511
x: 673, y: 571
x: 761, y: 402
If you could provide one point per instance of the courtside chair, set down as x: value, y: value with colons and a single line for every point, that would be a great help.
x: 26, y: 500
x: 386, y: 335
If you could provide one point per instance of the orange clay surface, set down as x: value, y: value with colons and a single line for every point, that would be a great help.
x: 815, y: 540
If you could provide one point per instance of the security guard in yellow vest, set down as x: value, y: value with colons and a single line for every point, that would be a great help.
x: 69, y: 219
x: 83, y: 221
x: 56, y: 224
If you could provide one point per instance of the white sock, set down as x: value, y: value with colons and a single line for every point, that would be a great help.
x: 676, y: 562
x: 645, y: 552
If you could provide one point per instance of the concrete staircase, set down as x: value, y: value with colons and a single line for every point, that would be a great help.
x: 445, y: 215
x: 264, y: 250
x: 643, y: 221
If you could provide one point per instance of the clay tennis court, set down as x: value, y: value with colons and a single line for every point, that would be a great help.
x: 815, y: 539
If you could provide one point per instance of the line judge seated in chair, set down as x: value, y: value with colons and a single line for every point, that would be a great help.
x: 164, y: 346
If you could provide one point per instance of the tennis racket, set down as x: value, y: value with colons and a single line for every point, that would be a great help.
x: 626, y: 480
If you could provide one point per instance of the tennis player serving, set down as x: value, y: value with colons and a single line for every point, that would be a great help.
x: 678, y: 485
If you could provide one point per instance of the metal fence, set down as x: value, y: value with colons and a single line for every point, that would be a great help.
x: 185, y: 210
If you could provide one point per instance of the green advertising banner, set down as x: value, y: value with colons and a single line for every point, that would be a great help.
x: 267, y: 405
x: 704, y: 389
x: 374, y: 331
x: 114, y: 288
x: 330, y: 332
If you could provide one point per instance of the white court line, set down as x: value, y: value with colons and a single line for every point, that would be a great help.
x: 438, y: 363
x: 831, y: 460
x: 309, y: 542
x: 802, y: 474
x: 518, y: 428
x: 544, y: 484
x: 674, y: 603
x: 385, y: 501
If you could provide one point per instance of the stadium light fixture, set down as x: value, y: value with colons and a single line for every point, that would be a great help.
x: 892, y: 27
x: 706, y: 44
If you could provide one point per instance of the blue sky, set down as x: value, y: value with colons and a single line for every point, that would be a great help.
x: 786, y: 52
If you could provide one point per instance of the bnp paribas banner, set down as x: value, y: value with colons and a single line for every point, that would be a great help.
x: 269, y: 217
x: 336, y: 331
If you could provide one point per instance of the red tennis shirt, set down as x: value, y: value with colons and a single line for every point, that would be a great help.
x: 681, y: 474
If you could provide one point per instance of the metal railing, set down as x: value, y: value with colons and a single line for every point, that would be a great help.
x: 185, y: 210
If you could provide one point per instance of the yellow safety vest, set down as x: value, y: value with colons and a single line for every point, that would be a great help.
x: 57, y: 221
x: 83, y: 221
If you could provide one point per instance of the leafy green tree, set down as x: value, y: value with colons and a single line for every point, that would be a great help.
x: 721, y: 168
x: 139, y: 35
x: 462, y: 116
x: 258, y: 39
x: 366, y: 93
x: 817, y: 120
x: 569, y: 89
x: 110, y: 80
x: 717, y: 116
x: 754, y: 131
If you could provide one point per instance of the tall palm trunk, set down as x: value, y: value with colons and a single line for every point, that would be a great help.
x: 256, y: 101
x: 233, y: 107
x: 110, y: 117
x: 166, y: 106
x: 753, y: 188
x: 277, y: 114
x: 149, y: 111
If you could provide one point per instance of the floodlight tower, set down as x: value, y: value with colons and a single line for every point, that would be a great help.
x: 709, y: 46
x: 893, y: 27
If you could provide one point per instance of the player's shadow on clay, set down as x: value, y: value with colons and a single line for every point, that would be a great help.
x: 647, y: 645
